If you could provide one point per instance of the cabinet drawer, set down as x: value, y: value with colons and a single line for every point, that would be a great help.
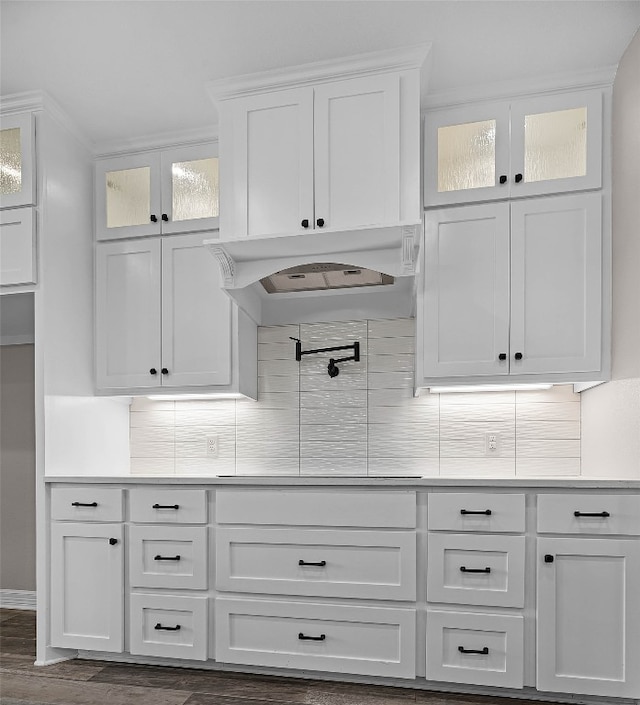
x: 365, y: 564
x: 457, y: 511
x: 589, y: 514
x: 338, y: 638
x: 168, y: 557
x: 452, y: 637
x: 341, y: 507
x: 168, y: 506
x: 18, y: 247
x: 170, y: 626
x: 89, y: 503
x: 476, y: 570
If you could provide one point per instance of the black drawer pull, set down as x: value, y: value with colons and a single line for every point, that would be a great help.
x: 168, y: 629
x: 603, y: 515
x: 303, y: 637
x: 464, y: 569
x: 166, y: 506
x: 482, y: 652
x: 486, y: 512
x: 320, y: 563
x: 84, y: 504
x: 166, y: 558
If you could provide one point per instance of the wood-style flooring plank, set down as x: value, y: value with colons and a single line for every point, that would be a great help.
x: 75, y: 670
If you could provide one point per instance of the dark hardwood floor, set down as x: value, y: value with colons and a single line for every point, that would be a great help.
x: 82, y: 682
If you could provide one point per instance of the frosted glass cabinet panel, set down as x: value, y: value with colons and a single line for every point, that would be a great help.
x: 17, y: 155
x: 157, y: 193
x: 541, y: 145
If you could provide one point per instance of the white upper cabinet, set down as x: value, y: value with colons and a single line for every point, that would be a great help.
x: 512, y: 290
x: 18, y: 247
x: 17, y: 160
x: 541, y: 145
x: 162, y: 319
x: 159, y: 192
x: 322, y: 147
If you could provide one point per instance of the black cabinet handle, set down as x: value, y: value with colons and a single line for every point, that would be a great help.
x: 154, y: 219
x: 486, y: 512
x: 165, y: 217
x: 166, y: 506
x: 518, y: 178
x: 113, y: 542
x: 153, y: 371
x: 464, y: 569
x: 303, y: 637
x: 502, y: 356
x: 518, y: 356
x: 166, y: 558
x: 320, y: 222
x: 503, y: 179
x: 305, y: 223
x: 84, y: 504
x: 483, y: 651
x: 548, y: 558
x: 168, y: 629
x: 164, y: 371
x: 603, y: 515
x: 320, y: 563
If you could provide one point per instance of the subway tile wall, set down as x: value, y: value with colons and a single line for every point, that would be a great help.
x: 365, y: 421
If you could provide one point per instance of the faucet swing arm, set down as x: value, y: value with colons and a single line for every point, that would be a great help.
x: 332, y: 368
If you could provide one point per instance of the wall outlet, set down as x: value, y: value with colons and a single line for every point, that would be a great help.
x: 492, y: 443
x: 212, y: 446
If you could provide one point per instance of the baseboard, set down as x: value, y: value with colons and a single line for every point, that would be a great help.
x: 18, y: 599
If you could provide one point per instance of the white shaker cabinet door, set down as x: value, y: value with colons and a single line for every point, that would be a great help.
x: 196, y: 316
x: 589, y: 616
x: 268, y: 184
x: 466, y: 292
x: 87, y: 588
x: 18, y: 155
x: 18, y: 247
x: 357, y: 152
x: 556, y: 284
x: 128, y: 314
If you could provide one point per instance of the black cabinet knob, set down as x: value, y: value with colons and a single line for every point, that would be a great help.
x: 165, y: 217
x: 153, y: 371
x: 548, y: 558
x: 164, y: 371
x: 503, y: 179
x: 113, y: 542
x: 502, y: 356
x: 518, y: 178
x: 305, y: 223
x: 320, y: 222
x: 518, y: 356
x: 154, y: 219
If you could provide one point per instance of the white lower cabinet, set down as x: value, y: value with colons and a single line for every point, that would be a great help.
x: 87, y: 586
x: 172, y: 626
x: 588, y: 616
x: 481, y: 649
x: 326, y: 637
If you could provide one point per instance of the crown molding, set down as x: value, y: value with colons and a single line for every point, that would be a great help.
x: 181, y: 138
x: 411, y: 57
x: 516, y: 88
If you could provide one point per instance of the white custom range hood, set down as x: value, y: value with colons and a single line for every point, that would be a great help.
x: 342, y: 275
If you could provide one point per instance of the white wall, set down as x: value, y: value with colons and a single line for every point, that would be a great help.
x: 611, y: 412
x: 365, y: 421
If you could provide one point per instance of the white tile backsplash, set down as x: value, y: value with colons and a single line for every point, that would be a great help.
x: 364, y: 421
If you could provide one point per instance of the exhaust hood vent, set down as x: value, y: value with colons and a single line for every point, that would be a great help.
x: 322, y: 276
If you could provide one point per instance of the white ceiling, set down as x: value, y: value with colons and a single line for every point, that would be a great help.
x: 137, y: 68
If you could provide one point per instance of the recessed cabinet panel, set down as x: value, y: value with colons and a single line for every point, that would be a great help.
x: 466, y: 291
x: 556, y: 285
x: 17, y: 161
x: 18, y: 247
x: 588, y: 618
x: 357, y: 152
x: 128, y: 314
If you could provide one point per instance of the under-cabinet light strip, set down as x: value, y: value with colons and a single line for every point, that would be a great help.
x: 489, y: 388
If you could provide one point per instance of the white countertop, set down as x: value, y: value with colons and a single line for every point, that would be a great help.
x: 353, y: 481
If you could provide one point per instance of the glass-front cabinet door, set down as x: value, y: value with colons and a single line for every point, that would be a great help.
x: 535, y: 146
x: 17, y: 160
x: 158, y: 192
